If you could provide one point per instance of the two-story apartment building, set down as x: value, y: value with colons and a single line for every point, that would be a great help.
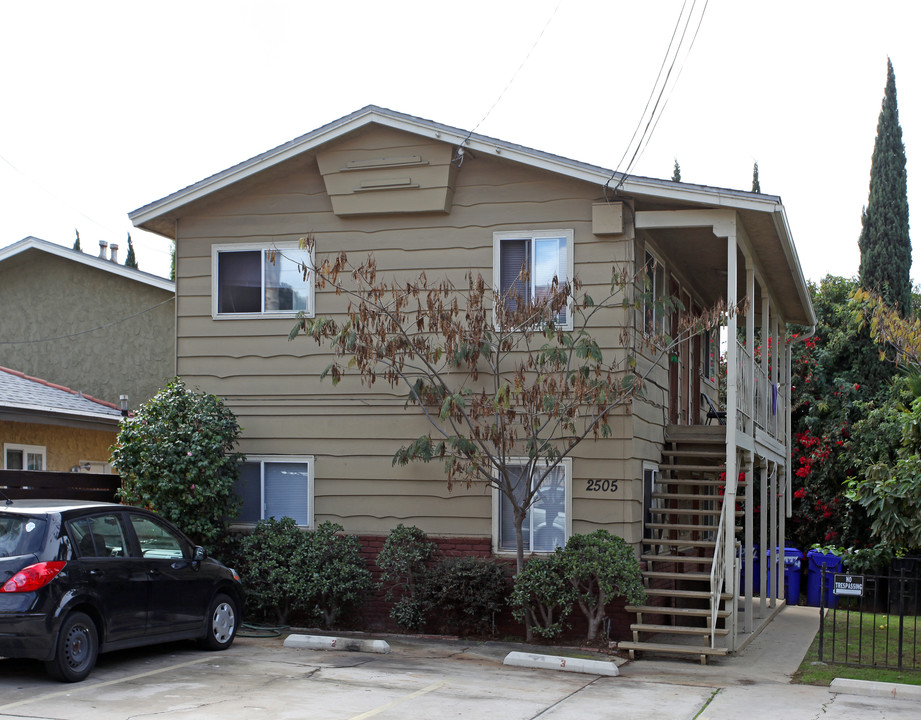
x: 396, y: 185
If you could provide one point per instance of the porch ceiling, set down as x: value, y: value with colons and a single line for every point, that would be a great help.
x: 699, y: 258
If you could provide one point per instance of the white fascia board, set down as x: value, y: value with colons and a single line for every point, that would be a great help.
x: 86, y: 259
x: 786, y: 239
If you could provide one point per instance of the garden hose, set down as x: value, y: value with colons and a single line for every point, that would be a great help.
x: 261, y: 631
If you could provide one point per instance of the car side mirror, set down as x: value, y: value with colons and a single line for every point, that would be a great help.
x: 199, y: 554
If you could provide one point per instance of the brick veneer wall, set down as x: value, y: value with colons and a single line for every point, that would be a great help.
x: 376, y: 611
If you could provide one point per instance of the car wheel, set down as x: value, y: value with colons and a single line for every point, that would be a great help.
x: 76, y: 650
x: 222, y: 623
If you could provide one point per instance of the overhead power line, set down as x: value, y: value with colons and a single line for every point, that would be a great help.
x: 658, y: 99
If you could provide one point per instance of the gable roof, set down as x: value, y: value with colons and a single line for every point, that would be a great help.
x: 34, y: 243
x: 157, y: 216
x: 21, y: 393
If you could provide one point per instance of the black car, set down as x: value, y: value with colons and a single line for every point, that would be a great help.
x: 79, y: 578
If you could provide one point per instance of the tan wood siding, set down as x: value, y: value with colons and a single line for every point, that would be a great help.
x: 352, y: 431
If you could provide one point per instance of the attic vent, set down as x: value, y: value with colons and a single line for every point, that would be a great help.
x: 386, y: 184
x: 384, y: 162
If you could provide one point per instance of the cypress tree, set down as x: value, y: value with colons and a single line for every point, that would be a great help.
x: 885, y: 247
x: 77, y: 241
x: 131, y: 260
x: 676, y: 175
x: 756, y: 183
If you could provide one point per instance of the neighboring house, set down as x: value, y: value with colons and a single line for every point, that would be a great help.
x: 49, y: 427
x: 392, y: 184
x: 86, y: 321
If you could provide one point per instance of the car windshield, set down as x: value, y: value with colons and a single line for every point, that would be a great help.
x: 20, y: 535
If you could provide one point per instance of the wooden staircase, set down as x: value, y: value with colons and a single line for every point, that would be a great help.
x: 678, y: 550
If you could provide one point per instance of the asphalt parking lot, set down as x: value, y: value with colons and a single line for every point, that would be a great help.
x: 424, y: 679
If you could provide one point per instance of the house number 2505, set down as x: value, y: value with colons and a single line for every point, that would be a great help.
x: 603, y: 486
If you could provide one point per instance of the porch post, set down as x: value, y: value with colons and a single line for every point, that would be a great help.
x: 765, y: 334
x: 763, y: 536
x: 732, y: 418
x: 772, y: 546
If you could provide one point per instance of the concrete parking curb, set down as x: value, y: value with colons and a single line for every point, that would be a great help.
x: 872, y: 688
x: 558, y: 662
x: 321, y: 642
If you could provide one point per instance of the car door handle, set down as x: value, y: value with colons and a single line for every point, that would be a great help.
x: 153, y: 572
x: 96, y: 572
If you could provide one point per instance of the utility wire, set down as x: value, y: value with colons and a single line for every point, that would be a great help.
x: 460, y: 151
x: 653, y: 116
x: 84, y: 332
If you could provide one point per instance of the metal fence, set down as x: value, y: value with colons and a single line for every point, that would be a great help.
x: 879, y: 626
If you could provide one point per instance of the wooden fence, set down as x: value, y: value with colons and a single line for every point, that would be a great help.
x: 22, y: 484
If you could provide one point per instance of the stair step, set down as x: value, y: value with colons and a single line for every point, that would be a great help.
x: 678, y: 612
x: 689, y: 559
x: 686, y: 496
x: 676, y: 629
x: 689, y: 594
x: 679, y: 542
x: 687, y: 467
x: 683, y: 526
x: 674, y: 649
x: 690, y: 511
x: 695, y: 481
x: 662, y: 575
x: 715, y: 453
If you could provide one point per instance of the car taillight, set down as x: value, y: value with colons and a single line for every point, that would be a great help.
x: 33, y: 577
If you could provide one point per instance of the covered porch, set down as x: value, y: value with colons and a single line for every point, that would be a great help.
x: 725, y: 480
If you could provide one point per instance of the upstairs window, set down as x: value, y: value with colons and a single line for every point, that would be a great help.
x: 525, y: 264
x: 254, y: 280
x: 653, y: 296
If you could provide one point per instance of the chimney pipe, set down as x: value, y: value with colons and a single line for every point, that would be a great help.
x: 102, y: 249
x: 114, y: 248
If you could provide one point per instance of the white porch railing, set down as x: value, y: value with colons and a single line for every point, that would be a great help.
x: 717, y: 574
x: 762, y: 403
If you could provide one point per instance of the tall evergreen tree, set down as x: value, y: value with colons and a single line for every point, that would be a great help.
x: 756, y: 183
x: 131, y: 260
x: 676, y: 175
x: 885, y: 247
x: 77, y: 241
x: 172, y: 262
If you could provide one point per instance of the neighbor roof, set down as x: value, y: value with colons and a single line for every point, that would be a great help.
x: 20, y: 392
x: 34, y: 243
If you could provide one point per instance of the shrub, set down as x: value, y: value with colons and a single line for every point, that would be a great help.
x: 465, y: 593
x: 601, y: 567
x: 339, y: 579
x: 404, y: 562
x: 274, y: 568
x: 542, y: 597
x: 176, y: 457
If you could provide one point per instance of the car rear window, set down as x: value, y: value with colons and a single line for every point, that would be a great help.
x: 21, y: 535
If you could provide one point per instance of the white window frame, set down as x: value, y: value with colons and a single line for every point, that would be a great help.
x: 654, y: 267
x: 276, y: 459
x: 710, y: 362
x: 281, y: 247
x: 498, y: 497
x: 26, y: 451
x: 533, y: 235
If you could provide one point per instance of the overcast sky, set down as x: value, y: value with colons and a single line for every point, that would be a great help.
x: 111, y: 105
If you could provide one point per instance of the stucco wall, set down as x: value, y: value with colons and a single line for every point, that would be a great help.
x: 44, y: 296
x: 64, y: 446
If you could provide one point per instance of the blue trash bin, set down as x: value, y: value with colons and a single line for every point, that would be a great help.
x: 832, y: 563
x: 754, y: 564
x: 792, y: 568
